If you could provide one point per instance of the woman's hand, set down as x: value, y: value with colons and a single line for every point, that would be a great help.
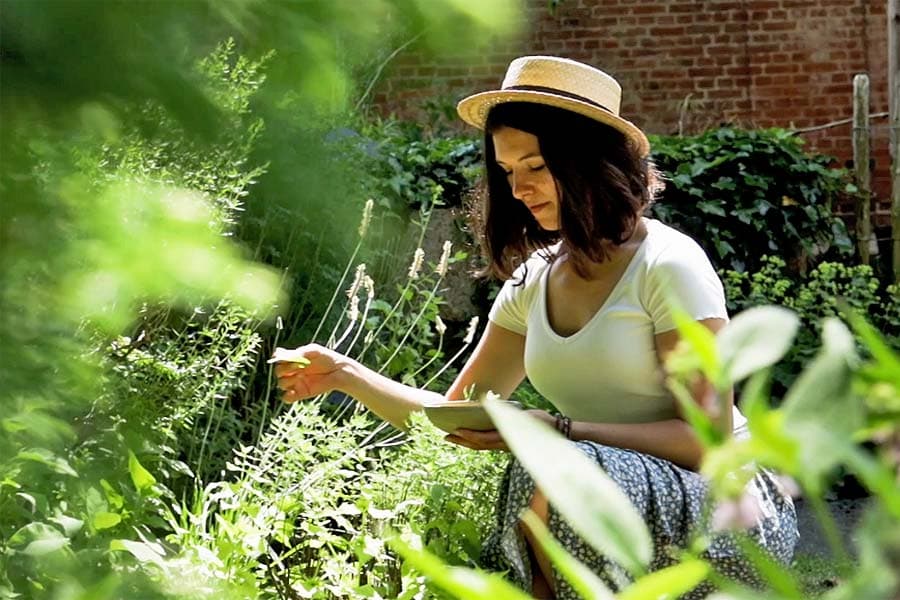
x: 321, y: 375
x: 491, y: 440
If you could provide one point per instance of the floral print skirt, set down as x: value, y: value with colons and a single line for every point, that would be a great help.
x: 673, y: 503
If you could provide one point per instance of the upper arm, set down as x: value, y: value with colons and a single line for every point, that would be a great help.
x: 703, y: 392
x: 497, y: 364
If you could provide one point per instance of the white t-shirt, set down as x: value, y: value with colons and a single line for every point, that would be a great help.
x: 608, y: 371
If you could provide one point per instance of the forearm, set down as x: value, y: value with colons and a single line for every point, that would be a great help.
x: 389, y: 399
x: 673, y: 440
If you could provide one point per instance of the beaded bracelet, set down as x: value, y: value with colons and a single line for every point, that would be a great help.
x: 564, y: 426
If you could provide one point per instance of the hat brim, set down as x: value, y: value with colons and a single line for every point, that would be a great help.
x: 475, y: 108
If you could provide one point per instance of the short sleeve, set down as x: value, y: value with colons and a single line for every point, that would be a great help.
x: 513, y: 304
x: 509, y: 309
x: 683, y: 275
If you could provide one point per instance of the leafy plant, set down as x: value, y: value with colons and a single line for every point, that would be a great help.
x: 813, y: 297
x: 129, y: 313
x: 745, y: 194
x: 813, y: 432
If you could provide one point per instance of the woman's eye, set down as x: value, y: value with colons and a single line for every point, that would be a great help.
x: 538, y: 168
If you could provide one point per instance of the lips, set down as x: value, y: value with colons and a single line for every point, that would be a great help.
x: 538, y: 207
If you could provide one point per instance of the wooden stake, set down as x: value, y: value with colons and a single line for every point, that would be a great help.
x: 861, y: 166
x: 893, y: 15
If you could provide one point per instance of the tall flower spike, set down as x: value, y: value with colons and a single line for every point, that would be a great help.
x: 366, y: 218
x: 416, y: 265
x: 444, y: 263
x: 357, y: 280
x: 470, y: 333
x: 353, y: 311
x: 369, y: 284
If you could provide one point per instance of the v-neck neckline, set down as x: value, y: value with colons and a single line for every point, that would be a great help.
x: 545, y: 290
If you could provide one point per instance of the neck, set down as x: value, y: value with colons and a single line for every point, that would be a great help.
x: 615, y: 253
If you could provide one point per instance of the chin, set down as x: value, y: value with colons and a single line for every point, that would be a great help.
x: 549, y: 226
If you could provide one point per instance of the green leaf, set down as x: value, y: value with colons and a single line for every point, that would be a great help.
x: 879, y: 478
x: 670, y: 582
x: 37, y: 539
x: 756, y: 338
x: 290, y: 355
x: 590, y: 501
x: 461, y: 582
x: 711, y: 207
x: 775, y: 574
x: 702, y: 343
x: 704, y: 427
x: 820, y: 410
x: 105, y: 520
x: 70, y: 525
x: 584, y: 581
x: 46, y: 457
x: 141, y: 477
x: 115, y: 499
x: 880, y: 350
x: 143, y: 551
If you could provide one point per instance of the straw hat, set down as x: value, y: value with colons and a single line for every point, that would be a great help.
x: 559, y: 82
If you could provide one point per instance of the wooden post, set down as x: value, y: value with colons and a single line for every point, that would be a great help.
x: 861, y: 166
x: 893, y: 15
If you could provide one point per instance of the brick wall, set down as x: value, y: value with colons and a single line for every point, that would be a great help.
x: 690, y: 64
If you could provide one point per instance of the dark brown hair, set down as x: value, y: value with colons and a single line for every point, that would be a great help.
x: 602, y: 182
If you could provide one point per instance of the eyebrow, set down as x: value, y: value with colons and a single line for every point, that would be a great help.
x: 521, y: 158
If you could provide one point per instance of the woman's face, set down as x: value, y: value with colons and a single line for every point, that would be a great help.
x: 519, y: 155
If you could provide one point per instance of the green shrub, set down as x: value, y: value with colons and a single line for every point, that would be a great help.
x: 813, y: 297
x: 745, y: 194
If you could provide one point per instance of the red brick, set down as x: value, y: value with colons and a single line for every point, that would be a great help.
x: 773, y: 62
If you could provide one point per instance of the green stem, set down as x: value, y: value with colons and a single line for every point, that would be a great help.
x: 412, y: 326
x: 337, y: 290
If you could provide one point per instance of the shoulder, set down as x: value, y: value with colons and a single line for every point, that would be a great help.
x: 513, y: 303
x: 667, y: 247
x: 677, y: 272
x: 529, y: 272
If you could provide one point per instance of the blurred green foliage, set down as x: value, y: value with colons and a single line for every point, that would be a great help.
x: 828, y: 410
x: 132, y: 140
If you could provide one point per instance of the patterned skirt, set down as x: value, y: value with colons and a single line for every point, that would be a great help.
x: 673, y: 503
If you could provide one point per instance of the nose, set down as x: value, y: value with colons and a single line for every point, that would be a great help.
x: 521, y: 185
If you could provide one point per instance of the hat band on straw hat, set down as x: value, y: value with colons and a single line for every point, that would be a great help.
x: 557, y: 92
x: 558, y: 82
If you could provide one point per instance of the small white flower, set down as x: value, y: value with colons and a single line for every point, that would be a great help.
x: 439, y: 325
x: 353, y: 311
x: 370, y: 336
x: 445, y: 259
x: 416, y: 265
x: 369, y: 284
x: 470, y: 332
x: 357, y: 280
x: 366, y: 218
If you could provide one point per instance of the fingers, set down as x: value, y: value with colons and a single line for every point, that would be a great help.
x: 317, y: 359
x: 285, y: 369
x: 477, y: 440
x: 293, y: 385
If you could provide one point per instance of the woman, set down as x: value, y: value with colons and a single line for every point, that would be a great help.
x: 584, y: 313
